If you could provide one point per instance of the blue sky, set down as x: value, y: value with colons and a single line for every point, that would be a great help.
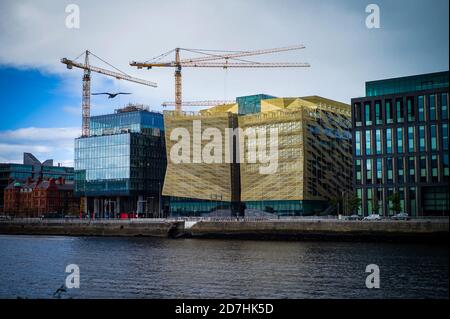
x: 41, y: 100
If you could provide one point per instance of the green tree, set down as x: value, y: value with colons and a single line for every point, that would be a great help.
x: 395, y: 202
x: 375, y: 206
x: 353, y: 203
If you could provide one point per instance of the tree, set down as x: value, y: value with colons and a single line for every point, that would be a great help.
x: 395, y: 203
x: 375, y: 206
x: 353, y: 203
x: 336, y: 201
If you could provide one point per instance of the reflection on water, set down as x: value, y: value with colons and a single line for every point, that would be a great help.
x: 33, y: 267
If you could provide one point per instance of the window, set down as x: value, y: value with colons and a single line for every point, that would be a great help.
x: 358, y: 114
x: 389, y: 169
x: 422, y: 138
x: 411, y: 170
x: 378, y: 113
x: 434, y: 168
x: 359, y: 195
x: 444, y: 108
x: 433, y: 137
x: 401, y: 194
x: 432, y: 106
x: 358, y: 143
x: 378, y: 148
x: 388, y: 141
x: 423, y: 168
x: 400, y: 111
x: 412, y: 201
x: 400, y: 170
x: 379, y: 199
x: 400, y: 140
x: 411, y: 139
x: 445, y: 137
x: 368, y: 171
x: 389, y: 115
x: 411, y: 112
x: 379, y: 170
x: 358, y: 171
x: 368, y: 143
x: 421, y: 109
x: 390, y: 192
x: 368, y: 113
x: 445, y: 165
x: 369, y: 199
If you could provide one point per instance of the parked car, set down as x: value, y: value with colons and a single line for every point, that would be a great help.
x: 373, y: 217
x: 353, y: 217
x: 401, y: 216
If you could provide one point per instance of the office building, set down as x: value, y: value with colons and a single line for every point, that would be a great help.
x: 313, y: 160
x: 120, y: 166
x: 400, y: 145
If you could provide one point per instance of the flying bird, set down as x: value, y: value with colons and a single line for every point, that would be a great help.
x: 110, y: 95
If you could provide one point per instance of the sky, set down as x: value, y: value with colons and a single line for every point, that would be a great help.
x: 40, y: 109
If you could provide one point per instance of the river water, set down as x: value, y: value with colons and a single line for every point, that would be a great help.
x: 34, y: 267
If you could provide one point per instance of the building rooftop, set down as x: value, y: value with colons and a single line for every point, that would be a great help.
x: 407, y: 84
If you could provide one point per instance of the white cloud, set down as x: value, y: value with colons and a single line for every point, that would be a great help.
x: 44, y: 143
x: 342, y: 51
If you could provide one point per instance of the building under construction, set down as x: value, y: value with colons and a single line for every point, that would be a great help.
x: 314, y: 157
x: 120, y: 166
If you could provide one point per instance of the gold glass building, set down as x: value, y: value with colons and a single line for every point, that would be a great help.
x: 311, y: 165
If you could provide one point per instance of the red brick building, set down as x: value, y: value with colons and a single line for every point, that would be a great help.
x: 41, y: 197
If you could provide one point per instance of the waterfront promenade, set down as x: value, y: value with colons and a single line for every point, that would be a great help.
x: 285, y: 228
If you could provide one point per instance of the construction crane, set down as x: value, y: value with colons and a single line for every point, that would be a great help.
x: 86, y: 103
x: 215, y: 59
x: 200, y: 103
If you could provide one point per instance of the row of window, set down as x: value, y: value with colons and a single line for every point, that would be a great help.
x: 410, y: 140
x: 407, y: 169
x: 400, y: 110
x: 378, y: 200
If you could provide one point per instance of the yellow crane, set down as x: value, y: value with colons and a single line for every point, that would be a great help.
x: 86, y: 103
x: 215, y: 59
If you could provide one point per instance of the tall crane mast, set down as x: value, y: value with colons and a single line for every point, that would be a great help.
x: 218, y: 59
x: 87, y: 69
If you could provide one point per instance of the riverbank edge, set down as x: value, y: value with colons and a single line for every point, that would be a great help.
x: 328, y: 230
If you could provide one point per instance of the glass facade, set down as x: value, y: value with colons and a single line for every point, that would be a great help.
x: 378, y: 113
x: 411, y: 139
x: 127, y: 122
x: 400, y: 140
x: 358, y: 143
x: 123, y: 156
x: 432, y: 107
x: 368, y: 143
x: 410, y: 144
x: 378, y: 144
x: 407, y: 84
x: 389, y: 141
x: 399, y: 111
x: 421, y: 108
x: 251, y: 104
x: 389, y: 113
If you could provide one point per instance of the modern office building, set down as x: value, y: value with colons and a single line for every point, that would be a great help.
x: 31, y: 168
x: 400, y: 134
x: 120, y: 166
x: 312, y: 160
